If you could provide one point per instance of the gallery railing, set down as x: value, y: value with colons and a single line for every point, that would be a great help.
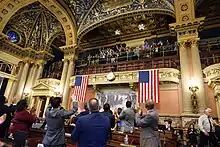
x: 149, y: 63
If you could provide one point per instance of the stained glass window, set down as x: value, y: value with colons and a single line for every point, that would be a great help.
x: 13, y: 36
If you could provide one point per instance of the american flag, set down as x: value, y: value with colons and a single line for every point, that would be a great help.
x: 148, y: 87
x: 80, y: 87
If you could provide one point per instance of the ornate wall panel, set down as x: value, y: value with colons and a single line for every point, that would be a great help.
x: 8, y: 8
x: 212, y: 72
x: 37, y: 24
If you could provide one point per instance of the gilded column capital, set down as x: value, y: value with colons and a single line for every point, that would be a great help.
x: 41, y: 62
x: 69, y: 49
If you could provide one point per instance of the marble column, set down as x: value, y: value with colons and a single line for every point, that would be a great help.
x: 9, y: 89
x: 67, y: 84
x: 185, y: 77
x: 198, y: 74
x: 46, y: 105
x: 217, y: 99
x: 22, y: 81
x: 64, y: 74
x: 39, y: 103
x: 15, y: 84
x: 29, y: 77
x: 39, y: 71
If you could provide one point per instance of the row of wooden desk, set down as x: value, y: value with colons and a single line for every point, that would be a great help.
x: 36, y: 136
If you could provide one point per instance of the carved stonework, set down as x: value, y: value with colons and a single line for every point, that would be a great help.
x: 49, y: 81
x: 212, y: 72
x: 165, y: 74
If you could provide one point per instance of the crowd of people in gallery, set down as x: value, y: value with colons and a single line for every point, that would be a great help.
x: 93, y: 128
x: 122, y: 52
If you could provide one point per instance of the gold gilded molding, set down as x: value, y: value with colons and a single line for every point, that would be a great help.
x: 45, y: 87
x: 8, y: 8
x: 212, y: 72
x: 165, y: 75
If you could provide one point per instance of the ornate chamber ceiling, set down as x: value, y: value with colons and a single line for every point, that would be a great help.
x: 92, y: 13
x: 129, y: 27
x: 97, y: 20
x: 37, y: 28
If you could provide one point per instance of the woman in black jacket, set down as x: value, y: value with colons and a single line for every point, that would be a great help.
x: 5, y: 110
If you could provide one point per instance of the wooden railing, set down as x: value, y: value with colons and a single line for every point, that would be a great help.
x: 160, y: 62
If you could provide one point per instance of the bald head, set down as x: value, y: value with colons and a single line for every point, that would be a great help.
x: 93, y: 105
x: 149, y: 105
x: 208, y: 111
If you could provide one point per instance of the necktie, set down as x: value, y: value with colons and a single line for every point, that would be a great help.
x: 210, y: 124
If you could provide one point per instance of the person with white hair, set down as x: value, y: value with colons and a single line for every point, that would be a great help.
x: 206, y: 126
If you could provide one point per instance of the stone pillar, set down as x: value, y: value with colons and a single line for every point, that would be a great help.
x: 22, y: 81
x: 186, y: 27
x: 198, y: 75
x: 217, y: 99
x: 31, y: 76
x: 39, y: 70
x: 67, y: 83
x: 39, y: 103
x: 185, y: 77
x: 64, y: 74
x: 46, y: 105
x: 9, y: 89
x: 15, y: 84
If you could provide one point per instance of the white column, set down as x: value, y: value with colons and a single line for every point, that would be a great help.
x: 15, y: 84
x: 39, y: 71
x: 185, y: 77
x: 22, y: 81
x: 67, y: 84
x: 30, y: 75
x: 64, y: 74
x: 197, y: 73
x: 46, y: 105
x: 9, y: 89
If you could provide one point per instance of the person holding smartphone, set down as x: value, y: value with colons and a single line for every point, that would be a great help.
x: 55, y: 115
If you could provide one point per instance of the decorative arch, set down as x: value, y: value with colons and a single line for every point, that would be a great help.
x: 11, y: 7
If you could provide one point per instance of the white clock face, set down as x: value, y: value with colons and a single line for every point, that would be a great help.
x: 111, y: 76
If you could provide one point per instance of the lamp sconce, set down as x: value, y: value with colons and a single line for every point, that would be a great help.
x: 193, y: 88
x: 57, y: 91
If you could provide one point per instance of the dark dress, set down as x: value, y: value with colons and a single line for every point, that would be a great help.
x: 8, y: 110
x: 192, y: 136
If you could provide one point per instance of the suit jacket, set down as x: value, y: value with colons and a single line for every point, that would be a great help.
x: 148, y: 124
x: 128, y: 119
x: 55, y: 134
x: 92, y: 130
x: 111, y: 118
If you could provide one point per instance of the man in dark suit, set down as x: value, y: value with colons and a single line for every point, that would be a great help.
x: 107, y: 113
x: 92, y: 130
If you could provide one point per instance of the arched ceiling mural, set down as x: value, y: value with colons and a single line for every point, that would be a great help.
x: 37, y: 28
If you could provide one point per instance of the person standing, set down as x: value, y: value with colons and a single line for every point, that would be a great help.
x: 149, y: 136
x: 92, y: 130
x: 206, y: 126
x: 128, y: 118
x: 107, y: 113
x: 5, y: 111
x: 55, y: 115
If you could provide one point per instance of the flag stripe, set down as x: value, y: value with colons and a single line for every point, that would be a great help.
x: 80, y: 87
x: 148, y: 86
